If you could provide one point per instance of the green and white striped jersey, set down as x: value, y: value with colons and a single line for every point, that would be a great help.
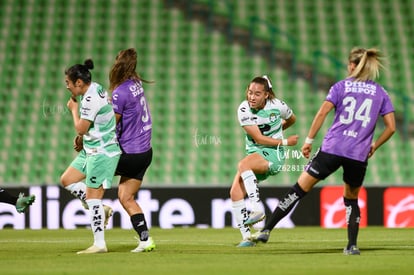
x: 101, y: 136
x: 269, y: 120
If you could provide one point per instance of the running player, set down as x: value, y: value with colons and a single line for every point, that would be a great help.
x: 358, y: 102
x: 263, y: 118
x: 134, y: 130
x: 97, y: 163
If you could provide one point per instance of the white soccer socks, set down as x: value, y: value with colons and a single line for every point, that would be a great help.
x: 97, y: 217
x: 240, y: 215
x: 250, y: 184
x: 78, y: 189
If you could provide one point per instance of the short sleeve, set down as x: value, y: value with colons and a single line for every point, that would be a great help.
x: 285, y: 111
x: 386, y: 106
x: 244, y: 114
x: 333, y: 94
x: 118, y: 101
x: 89, y: 108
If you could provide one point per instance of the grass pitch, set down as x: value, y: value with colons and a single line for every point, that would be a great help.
x: 302, y: 250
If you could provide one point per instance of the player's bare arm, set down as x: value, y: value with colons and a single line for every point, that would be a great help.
x: 254, y: 132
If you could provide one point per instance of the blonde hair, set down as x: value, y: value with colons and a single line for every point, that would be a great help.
x: 368, y: 63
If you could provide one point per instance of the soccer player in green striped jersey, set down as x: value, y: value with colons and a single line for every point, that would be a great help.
x: 95, y: 121
x: 263, y: 118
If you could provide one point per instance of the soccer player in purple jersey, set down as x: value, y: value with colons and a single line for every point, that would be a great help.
x: 134, y: 129
x: 358, y: 102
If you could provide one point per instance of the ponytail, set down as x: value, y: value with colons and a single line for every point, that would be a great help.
x: 368, y: 63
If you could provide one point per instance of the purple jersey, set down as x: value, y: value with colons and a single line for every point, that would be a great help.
x: 135, y: 126
x: 358, y: 106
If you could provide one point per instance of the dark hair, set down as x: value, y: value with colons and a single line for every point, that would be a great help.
x: 266, y: 82
x: 80, y: 71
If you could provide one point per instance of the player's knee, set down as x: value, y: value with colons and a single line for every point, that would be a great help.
x: 243, y: 166
x: 126, y: 199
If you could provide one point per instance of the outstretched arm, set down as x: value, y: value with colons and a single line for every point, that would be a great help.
x: 254, y: 132
x: 317, y: 123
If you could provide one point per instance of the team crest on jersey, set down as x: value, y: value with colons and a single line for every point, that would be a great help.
x: 272, y: 117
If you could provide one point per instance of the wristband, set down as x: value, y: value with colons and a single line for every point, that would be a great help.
x: 309, y: 140
x: 284, y: 142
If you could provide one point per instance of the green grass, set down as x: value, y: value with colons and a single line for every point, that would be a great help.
x: 302, y: 250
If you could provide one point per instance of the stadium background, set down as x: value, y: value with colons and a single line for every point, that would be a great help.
x: 201, y: 55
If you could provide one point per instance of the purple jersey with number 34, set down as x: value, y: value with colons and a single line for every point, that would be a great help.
x: 358, y: 106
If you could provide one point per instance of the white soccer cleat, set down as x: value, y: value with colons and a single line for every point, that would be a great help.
x: 93, y: 249
x: 254, y: 217
x: 145, y: 246
x: 108, y: 214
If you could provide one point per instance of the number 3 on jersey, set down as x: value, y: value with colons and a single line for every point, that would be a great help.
x: 145, y: 116
x: 361, y: 114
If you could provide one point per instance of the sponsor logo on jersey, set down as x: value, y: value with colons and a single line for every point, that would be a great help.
x: 359, y: 87
x: 136, y: 89
x: 243, y: 119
